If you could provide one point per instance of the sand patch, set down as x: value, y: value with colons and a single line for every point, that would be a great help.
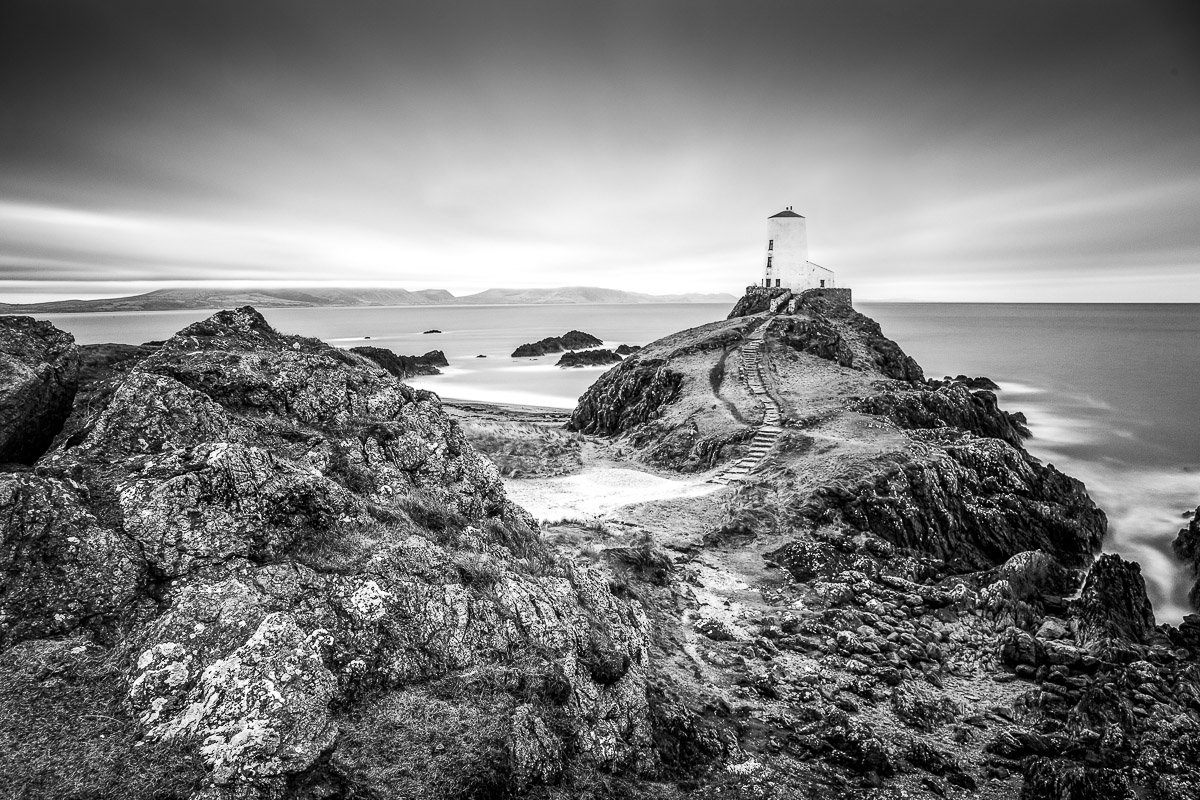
x: 598, y: 491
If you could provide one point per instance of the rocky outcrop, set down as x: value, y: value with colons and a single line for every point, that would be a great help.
x: 1187, y: 548
x: 952, y: 405
x: 404, y: 366
x: 628, y: 349
x: 588, y: 358
x: 814, y: 336
x: 39, y: 374
x: 623, y: 398
x: 571, y: 340
x: 284, y: 553
x: 974, y: 505
x: 1113, y: 604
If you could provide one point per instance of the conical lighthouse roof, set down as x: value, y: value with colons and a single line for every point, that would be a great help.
x: 786, y: 213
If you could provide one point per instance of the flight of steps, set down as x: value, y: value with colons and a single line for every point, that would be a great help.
x: 769, y: 430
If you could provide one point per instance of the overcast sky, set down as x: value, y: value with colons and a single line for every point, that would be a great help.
x: 939, y: 150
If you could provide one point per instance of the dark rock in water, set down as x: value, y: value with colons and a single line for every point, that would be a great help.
x: 588, y: 358
x: 1113, y: 603
x: 970, y: 383
x: 628, y: 349
x: 404, y: 366
x: 481, y: 355
x: 572, y: 340
x: 431, y: 330
x: 39, y: 374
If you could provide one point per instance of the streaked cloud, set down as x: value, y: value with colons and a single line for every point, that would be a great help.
x: 940, y: 151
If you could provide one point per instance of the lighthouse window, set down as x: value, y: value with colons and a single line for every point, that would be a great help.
x: 770, y: 244
x: 768, y: 261
x: 777, y: 282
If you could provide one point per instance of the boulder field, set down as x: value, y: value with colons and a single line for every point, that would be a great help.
x: 247, y: 565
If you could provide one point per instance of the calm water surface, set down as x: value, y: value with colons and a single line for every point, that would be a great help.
x: 1111, y: 391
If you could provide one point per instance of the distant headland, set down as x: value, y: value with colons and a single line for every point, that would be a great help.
x: 309, y: 297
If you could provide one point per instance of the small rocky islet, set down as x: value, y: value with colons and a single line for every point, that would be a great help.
x: 571, y: 340
x: 600, y: 357
x: 245, y: 564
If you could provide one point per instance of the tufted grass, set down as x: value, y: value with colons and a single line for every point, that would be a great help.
x: 413, y: 745
x: 525, y: 449
x: 65, y: 735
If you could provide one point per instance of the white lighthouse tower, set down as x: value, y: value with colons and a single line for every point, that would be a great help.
x: 787, y: 264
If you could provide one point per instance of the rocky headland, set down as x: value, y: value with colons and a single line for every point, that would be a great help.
x: 244, y: 564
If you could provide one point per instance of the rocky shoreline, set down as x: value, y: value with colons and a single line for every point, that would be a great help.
x: 275, y: 571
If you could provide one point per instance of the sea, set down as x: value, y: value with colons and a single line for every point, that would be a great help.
x: 1111, y: 391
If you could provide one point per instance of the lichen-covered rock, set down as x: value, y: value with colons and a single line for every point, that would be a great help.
x: 39, y: 373
x: 260, y: 713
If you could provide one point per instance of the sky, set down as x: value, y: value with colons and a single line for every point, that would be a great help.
x: 940, y: 151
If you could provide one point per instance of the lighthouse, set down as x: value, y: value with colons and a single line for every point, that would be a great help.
x: 787, y: 265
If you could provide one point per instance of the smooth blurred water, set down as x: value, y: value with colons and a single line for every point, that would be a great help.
x: 1111, y: 391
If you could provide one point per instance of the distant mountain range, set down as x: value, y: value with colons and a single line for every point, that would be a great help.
x: 183, y: 299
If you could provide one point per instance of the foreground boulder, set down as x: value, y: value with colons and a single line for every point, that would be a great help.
x: 39, y: 373
x: 281, y: 551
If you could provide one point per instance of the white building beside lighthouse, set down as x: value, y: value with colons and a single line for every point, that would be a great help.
x: 787, y: 263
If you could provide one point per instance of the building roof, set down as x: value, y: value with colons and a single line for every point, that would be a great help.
x: 786, y: 213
